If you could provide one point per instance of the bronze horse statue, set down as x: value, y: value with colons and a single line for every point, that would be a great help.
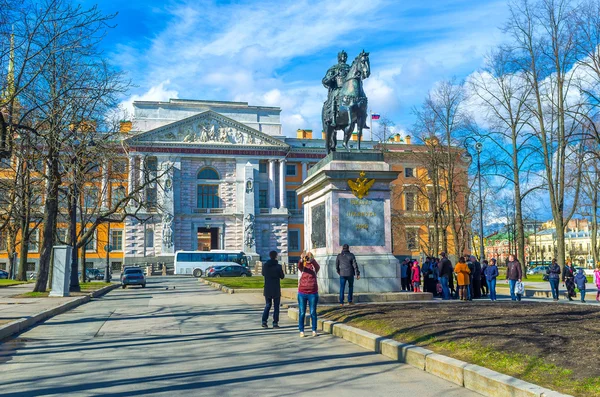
x: 350, y: 105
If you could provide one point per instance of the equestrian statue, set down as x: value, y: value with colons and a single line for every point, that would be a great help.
x: 346, y: 104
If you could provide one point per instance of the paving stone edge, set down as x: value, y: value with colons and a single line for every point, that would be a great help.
x: 18, y: 326
x: 473, y: 377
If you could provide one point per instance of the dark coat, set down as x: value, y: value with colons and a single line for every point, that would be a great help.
x: 346, y: 265
x: 580, y: 280
x: 445, y: 268
x: 568, y: 272
x: 273, y: 273
x: 476, y: 271
x: 514, y: 271
x: 491, y: 272
x: 553, y: 271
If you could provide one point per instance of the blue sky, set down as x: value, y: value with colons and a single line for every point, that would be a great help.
x: 275, y: 53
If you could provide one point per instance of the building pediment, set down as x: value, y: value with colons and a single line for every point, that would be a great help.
x: 208, y: 128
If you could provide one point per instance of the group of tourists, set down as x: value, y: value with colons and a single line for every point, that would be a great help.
x: 468, y: 280
x: 574, y: 280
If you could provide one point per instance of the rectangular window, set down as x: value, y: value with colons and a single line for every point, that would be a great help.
x: 4, y: 266
x: 262, y: 199
x: 411, y: 239
x: 151, y: 197
x: 116, y: 240
x: 30, y: 267
x: 293, y: 240
x: 62, y: 237
x: 208, y: 196
x: 291, y: 169
x: 34, y: 241
x: 149, y: 238
x: 409, y: 201
x: 116, y: 266
x: 292, y: 199
x: 92, y: 244
x: 262, y: 167
x: 6, y: 163
x: 63, y: 200
x: 409, y: 172
x: 119, y: 166
x: 91, y: 197
x: 117, y: 194
x: 3, y: 242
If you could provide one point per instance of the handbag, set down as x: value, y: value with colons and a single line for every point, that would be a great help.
x: 520, y: 288
x: 545, y: 277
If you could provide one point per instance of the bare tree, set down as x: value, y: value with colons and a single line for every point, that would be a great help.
x: 503, y: 93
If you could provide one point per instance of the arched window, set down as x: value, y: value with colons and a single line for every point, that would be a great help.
x: 208, y: 173
x: 208, y: 194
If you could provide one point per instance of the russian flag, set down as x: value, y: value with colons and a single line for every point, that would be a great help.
x: 375, y: 116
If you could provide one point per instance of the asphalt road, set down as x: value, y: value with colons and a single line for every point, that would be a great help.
x: 194, y: 341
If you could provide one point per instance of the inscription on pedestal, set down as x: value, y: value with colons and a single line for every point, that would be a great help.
x: 362, y: 222
x: 318, y: 226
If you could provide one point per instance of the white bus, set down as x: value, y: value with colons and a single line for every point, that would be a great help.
x: 196, y: 262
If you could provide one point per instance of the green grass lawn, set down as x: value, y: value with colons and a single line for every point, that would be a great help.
x: 250, y: 282
x: 93, y: 285
x: 539, y: 278
x: 8, y: 283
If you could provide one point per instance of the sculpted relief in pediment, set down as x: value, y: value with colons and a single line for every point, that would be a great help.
x: 213, y: 131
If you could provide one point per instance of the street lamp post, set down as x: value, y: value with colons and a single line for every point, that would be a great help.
x: 107, y: 249
x: 479, y: 149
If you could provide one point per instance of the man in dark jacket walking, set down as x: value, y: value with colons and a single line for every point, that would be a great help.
x: 476, y: 281
x: 273, y: 274
x: 346, y: 267
x: 514, y: 273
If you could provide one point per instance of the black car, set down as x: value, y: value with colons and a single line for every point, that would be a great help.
x: 94, y: 274
x: 3, y: 274
x: 228, y: 271
x: 133, y: 276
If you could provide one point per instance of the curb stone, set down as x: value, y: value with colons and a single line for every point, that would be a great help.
x: 473, y: 377
x: 18, y: 326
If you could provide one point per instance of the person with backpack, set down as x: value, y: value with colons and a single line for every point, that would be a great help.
x: 308, y: 291
x: 346, y: 267
x: 580, y: 281
x: 553, y: 274
x: 273, y: 274
x: 514, y: 274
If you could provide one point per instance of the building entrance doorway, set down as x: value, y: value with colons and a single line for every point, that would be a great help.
x: 208, y: 238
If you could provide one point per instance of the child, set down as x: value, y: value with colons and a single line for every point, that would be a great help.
x: 416, y: 277
x: 597, y: 281
x: 580, y: 281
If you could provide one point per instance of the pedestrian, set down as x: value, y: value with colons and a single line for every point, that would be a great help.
x: 426, y: 271
x: 308, y: 291
x: 553, y: 273
x: 476, y: 277
x: 346, y: 267
x: 514, y: 274
x: 404, y: 272
x: 580, y: 281
x: 462, y: 272
x: 491, y: 273
x: 597, y: 281
x: 445, y: 267
x: 273, y: 274
x: 416, y: 277
x: 568, y: 277
x: 485, y: 290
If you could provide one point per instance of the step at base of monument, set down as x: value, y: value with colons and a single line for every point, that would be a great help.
x: 363, y: 297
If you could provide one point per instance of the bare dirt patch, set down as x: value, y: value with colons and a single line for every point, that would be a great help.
x: 555, y: 345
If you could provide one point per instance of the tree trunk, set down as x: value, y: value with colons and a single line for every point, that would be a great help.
x: 50, y: 215
x: 594, y: 234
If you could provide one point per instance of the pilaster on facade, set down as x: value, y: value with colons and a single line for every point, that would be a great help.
x: 304, y: 170
x: 131, y: 177
x: 271, y: 196
x: 282, y: 190
x: 105, y: 185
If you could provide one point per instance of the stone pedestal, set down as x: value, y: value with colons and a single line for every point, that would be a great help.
x: 61, y: 270
x: 334, y: 215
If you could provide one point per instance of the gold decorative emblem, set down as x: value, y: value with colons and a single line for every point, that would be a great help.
x: 361, y: 187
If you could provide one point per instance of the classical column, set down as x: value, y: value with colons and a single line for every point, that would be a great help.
x: 105, y: 185
x: 282, y: 191
x: 140, y: 183
x: 304, y: 170
x: 271, y: 196
x: 131, y: 178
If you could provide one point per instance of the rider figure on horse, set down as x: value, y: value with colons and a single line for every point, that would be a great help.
x: 333, y: 81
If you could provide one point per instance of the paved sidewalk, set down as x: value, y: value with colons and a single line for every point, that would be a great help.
x: 12, y: 309
x: 193, y: 341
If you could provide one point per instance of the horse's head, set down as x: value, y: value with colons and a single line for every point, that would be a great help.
x: 363, y: 64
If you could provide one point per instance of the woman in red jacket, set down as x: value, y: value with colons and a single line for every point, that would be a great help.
x: 308, y: 291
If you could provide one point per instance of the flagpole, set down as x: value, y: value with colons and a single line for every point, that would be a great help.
x: 371, y: 124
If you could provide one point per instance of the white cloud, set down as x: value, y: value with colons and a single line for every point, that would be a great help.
x: 155, y: 93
